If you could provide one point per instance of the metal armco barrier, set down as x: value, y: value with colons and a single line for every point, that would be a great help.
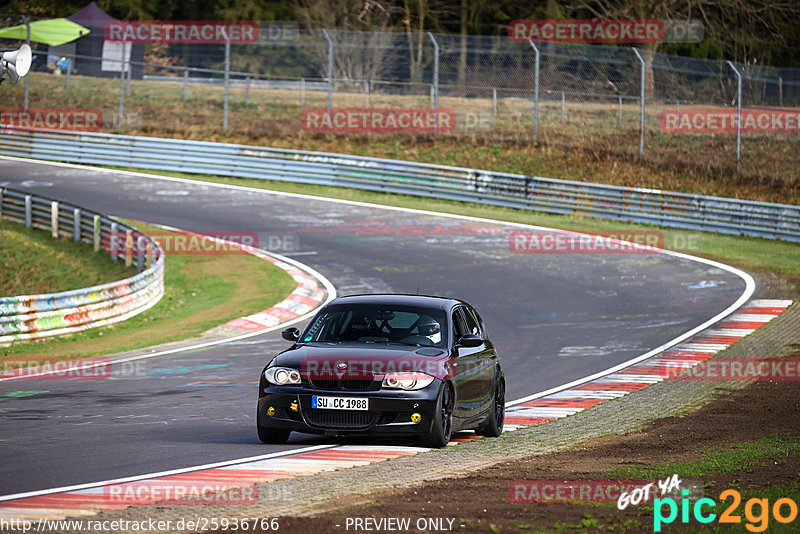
x: 35, y: 316
x: 648, y: 206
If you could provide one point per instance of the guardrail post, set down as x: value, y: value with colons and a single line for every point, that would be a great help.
x: 28, y: 211
x: 330, y: 69
x: 128, y: 248
x: 227, y: 82
x: 112, y: 242
x: 535, y: 93
x: 642, y: 95
x: 185, y: 84
x: 96, y: 232
x: 148, y: 260
x: 76, y: 224
x: 738, y: 114
x: 139, y: 253
x: 54, y: 219
x: 435, y: 83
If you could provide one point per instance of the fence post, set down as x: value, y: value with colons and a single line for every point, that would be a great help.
x: 302, y: 92
x: 69, y: 71
x: 139, y: 253
x: 128, y: 248
x: 641, y: 97
x: 227, y: 80
x: 122, y: 85
x: 185, y: 84
x: 435, y: 83
x: 678, y: 111
x: 330, y: 69
x: 128, y: 69
x: 535, y: 94
x: 619, y: 114
x: 247, y: 91
x: 76, y: 224
x: 738, y: 113
x: 563, y: 106
x: 366, y: 93
x: 28, y: 41
x: 780, y: 91
x: 54, y: 219
x: 494, y: 103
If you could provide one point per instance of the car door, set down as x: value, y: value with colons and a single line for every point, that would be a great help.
x: 485, y: 357
x: 469, y: 376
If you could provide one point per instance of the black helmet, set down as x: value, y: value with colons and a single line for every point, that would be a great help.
x: 427, y: 326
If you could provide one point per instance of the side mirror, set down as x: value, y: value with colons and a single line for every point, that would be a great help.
x: 470, y: 341
x: 291, y: 334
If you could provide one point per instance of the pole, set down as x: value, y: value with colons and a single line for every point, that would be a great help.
x: 302, y: 92
x: 227, y: 83
x: 122, y: 85
x: 494, y: 103
x: 535, y: 94
x: 641, y: 99
x: 28, y: 41
x: 366, y: 93
x: 129, y: 70
x: 563, y: 106
x: 435, y: 83
x: 619, y: 114
x: 738, y: 114
x: 185, y: 84
x: 247, y: 91
x: 330, y: 69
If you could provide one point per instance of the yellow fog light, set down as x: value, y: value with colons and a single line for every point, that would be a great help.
x: 270, y: 411
x: 416, y: 418
x: 293, y: 406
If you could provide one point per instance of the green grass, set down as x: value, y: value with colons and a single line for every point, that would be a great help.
x: 751, y: 253
x: 35, y: 263
x: 719, y: 460
x: 200, y: 292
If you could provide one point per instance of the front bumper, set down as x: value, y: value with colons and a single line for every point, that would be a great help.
x: 389, y: 411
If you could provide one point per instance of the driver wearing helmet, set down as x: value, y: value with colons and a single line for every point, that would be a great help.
x: 429, y: 328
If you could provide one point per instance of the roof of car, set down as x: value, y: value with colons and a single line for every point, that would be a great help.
x: 426, y: 301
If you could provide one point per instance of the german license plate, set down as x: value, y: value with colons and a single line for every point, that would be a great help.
x: 340, y: 403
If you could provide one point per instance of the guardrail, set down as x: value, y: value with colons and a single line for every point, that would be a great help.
x: 649, y: 206
x: 35, y: 316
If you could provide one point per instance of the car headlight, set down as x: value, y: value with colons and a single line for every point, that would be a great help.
x: 407, y: 381
x: 280, y: 376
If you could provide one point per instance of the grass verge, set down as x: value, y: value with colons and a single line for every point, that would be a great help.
x: 200, y: 292
x: 34, y: 263
x: 752, y: 253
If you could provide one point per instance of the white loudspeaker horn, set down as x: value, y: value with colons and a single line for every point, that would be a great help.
x: 15, y: 65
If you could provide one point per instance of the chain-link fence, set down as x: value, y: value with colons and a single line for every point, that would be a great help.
x: 615, y: 100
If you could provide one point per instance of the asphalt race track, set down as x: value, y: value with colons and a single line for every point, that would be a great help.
x: 554, y: 318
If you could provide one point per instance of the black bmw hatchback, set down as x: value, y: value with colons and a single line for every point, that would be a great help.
x: 403, y: 365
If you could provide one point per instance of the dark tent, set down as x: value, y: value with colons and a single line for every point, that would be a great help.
x: 94, y: 18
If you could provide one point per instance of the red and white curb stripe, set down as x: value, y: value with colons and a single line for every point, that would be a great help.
x: 661, y: 366
x: 88, y: 501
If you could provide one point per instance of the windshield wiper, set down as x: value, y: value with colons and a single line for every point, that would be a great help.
x: 410, y: 344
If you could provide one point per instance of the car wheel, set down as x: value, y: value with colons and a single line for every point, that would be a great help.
x: 493, y: 426
x: 273, y: 435
x: 442, y: 426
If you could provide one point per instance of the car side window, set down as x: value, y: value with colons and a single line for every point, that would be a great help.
x: 472, y: 323
x: 458, y: 325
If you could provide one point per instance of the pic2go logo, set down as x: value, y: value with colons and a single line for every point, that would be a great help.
x: 756, y: 521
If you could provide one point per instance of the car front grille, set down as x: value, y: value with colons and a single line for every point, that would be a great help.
x: 358, y: 383
x: 339, y: 419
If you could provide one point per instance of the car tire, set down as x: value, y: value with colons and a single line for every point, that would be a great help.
x: 273, y: 435
x: 493, y: 426
x: 442, y: 427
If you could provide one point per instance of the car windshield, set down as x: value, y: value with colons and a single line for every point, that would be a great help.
x: 376, y: 323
